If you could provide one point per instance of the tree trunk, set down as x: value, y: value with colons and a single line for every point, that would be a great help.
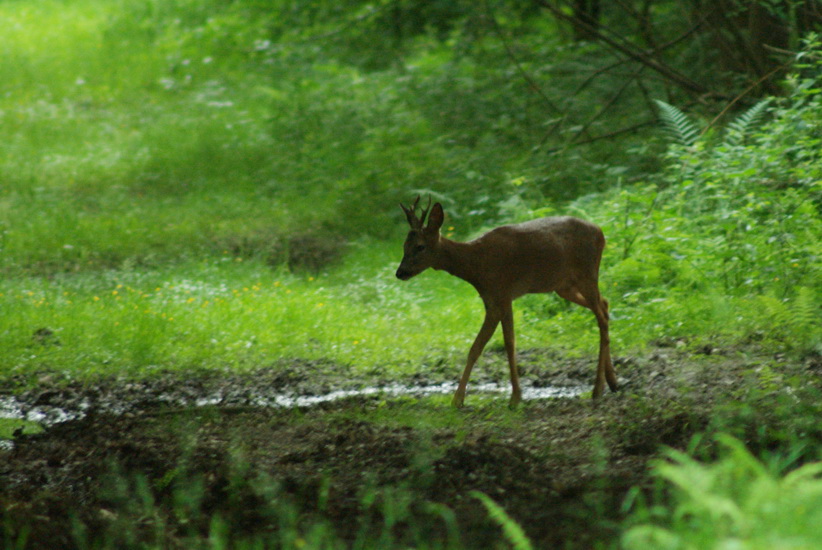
x: 586, y: 11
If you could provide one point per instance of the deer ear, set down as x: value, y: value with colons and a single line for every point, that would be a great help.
x: 435, y: 218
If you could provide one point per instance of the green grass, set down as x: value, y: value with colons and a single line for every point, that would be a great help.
x: 211, y: 314
x: 118, y: 149
x: 8, y: 426
x: 242, y: 313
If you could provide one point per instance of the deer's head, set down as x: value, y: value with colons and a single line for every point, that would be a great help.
x: 423, y: 241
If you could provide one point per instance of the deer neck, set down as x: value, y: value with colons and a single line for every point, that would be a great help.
x: 458, y: 259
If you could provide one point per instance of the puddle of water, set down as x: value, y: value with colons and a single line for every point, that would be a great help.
x: 397, y: 390
x: 11, y: 407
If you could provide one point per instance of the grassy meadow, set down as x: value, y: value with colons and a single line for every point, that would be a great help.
x: 168, y: 201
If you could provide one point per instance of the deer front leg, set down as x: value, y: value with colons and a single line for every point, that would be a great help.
x: 511, y: 351
x: 489, y: 325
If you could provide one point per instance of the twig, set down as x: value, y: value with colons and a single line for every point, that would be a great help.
x: 609, y: 135
x: 620, y: 44
x: 735, y: 100
x: 523, y: 73
x: 610, y: 102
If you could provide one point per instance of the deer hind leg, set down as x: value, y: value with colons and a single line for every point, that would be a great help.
x: 588, y: 296
x: 489, y: 325
x: 605, y: 368
x: 511, y: 351
x: 610, y: 374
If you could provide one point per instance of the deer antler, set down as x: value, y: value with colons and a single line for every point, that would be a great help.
x: 413, y: 221
x: 411, y: 214
x: 425, y: 210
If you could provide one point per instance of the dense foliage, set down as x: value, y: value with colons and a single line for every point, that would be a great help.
x: 192, y: 184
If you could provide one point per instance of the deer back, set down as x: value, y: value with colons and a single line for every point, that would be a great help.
x: 535, y: 256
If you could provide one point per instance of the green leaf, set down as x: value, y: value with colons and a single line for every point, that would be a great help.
x: 677, y: 124
x: 510, y: 528
x: 744, y: 124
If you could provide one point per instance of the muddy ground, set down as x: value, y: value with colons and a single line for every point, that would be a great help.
x: 147, y: 463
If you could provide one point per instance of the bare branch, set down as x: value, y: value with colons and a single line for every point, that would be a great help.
x: 530, y: 81
x: 608, y: 105
x: 743, y: 94
x: 620, y: 44
x: 609, y: 135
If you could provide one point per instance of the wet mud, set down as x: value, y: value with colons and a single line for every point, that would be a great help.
x: 560, y: 466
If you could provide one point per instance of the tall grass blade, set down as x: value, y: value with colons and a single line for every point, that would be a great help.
x: 510, y: 528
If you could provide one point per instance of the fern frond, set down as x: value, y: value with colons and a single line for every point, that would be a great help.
x: 742, y: 126
x: 677, y: 124
x: 794, y: 323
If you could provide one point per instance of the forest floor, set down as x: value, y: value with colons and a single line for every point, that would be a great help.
x: 560, y: 467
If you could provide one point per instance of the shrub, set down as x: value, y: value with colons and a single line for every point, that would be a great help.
x: 735, y: 502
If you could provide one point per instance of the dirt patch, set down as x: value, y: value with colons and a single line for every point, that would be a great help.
x: 161, y: 469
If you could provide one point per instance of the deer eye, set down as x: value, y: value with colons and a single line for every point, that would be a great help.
x: 419, y: 248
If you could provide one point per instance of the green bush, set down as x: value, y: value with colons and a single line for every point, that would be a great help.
x: 728, y: 232
x: 735, y: 502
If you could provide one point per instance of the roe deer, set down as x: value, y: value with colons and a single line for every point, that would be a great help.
x: 555, y: 254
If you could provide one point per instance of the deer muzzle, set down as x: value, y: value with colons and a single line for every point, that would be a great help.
x: 404, y: 274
